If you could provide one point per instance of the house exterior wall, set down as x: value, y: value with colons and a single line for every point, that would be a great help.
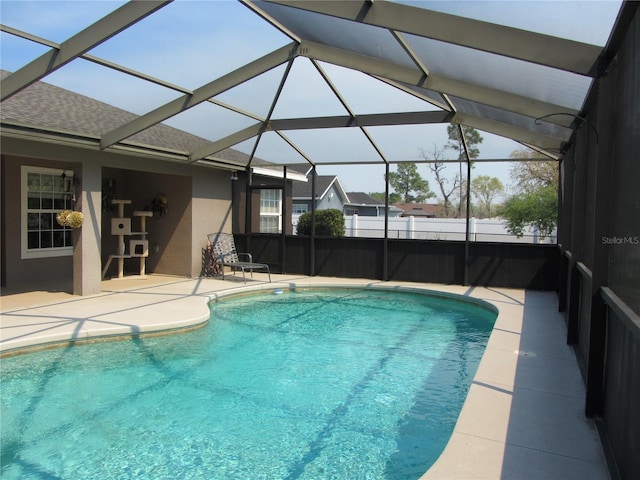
x: 332, y: 199
x: 16, y: 270
x: 199, y: 202
x: 240, y: 203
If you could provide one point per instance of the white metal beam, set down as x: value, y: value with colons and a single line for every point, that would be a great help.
x: 368, y: 120
x: 518, y: 134
x: 226, y: 142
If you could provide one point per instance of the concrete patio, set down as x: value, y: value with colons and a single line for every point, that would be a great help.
x: 523, y: 417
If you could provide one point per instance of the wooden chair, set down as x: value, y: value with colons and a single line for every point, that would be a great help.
x: 226, y: 255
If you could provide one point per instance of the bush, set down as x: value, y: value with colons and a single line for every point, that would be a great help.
x: 329, y: 223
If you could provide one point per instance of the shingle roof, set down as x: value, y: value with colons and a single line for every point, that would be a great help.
x: 303, y: 190
x: 361, y: 198
x: 46, y: 106
x: 419, y: 209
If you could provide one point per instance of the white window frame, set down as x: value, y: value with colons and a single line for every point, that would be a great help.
x: 274, y: 209
x: 299, y: 211
x: 27, y: 253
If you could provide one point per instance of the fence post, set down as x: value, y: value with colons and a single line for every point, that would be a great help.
x: 354, y: 225
x: 473, y: 226
x: 411, y: 224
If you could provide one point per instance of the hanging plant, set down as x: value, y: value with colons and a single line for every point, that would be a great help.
x: 62, y: 217
x: 70, y: 218
x: 160, y: 205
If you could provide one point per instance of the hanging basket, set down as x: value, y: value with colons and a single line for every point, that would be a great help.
x: 70, y: 218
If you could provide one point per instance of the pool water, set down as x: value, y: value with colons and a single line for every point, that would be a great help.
x: 344, y: 384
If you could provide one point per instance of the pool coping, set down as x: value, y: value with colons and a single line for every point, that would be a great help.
x: 522, y: 418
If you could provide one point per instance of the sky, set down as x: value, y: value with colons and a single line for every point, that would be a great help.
x: 189, y: 43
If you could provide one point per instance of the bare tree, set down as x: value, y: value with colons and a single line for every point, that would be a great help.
x: 438, y: 166
x: 472, y: 138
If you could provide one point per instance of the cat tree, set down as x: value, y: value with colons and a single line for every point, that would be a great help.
x: 138, y: 247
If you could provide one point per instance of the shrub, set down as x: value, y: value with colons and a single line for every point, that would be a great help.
x: 329, y: 223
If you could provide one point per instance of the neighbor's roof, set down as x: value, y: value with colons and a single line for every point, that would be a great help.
x: 506, y: 75
x: 365, y: 200
x: 302, y: 191
x: 419, y: 209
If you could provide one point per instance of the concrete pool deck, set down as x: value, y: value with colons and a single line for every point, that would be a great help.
x: 524, y: 415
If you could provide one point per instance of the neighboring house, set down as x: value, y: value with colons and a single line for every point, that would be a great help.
x: 52, y: 160
x: 422, y: 210
x: 364, y: 205
x: 329, y: 194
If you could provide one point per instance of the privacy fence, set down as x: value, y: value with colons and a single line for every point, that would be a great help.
x: 438, y: 261
x: 416, y: 228
x: 599, y: 236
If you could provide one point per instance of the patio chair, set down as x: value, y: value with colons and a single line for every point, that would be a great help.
x: 226, y: 255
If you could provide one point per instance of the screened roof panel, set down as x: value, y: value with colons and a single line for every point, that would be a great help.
x: 306, y: 94
x: 365, y: 94
x: 403, y: 143
x: 542, y: 127
x: 134, y: 95
x: 335, y: 145
x: 210, y: 121
x: 428, y: 94
x: 502, y: 73
x: 380, y: 58
x: 272, y: 145
x: 255, y: 96
x: 55, y: 21
x: 583, y: 21
x: 16, y: 52
x: 211, y: 46
x: 360, y: 38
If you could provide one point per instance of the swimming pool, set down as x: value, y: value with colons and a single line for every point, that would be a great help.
x: 307, y: 384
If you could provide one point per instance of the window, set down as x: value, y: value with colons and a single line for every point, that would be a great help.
x: 271, y: 211
x: 45, y: 192
x: 300, y: 208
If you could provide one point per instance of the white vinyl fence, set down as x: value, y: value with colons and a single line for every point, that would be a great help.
x: 480, y: 230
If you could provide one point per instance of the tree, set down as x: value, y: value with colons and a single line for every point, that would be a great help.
x: 529, y: 175
x: 536, y: 199
x: 472, y: 138
x: 408, y: 183
x: 438, y: 166
x: 329, y: 223
x: 393, y: 197
x: 486, y: 189
x: 538, y: 207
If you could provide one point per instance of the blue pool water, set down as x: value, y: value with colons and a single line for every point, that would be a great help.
x: 343, y: 384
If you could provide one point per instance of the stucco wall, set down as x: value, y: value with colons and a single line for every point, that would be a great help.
x: 15, y: 269
x: 199, y: 203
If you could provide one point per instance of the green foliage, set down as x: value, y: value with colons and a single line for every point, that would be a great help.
x: 537, y: 207
x: 530, y: 175
x: 393, y: 197
x: 329, y: 223
x: 471, y: 136
x: 409, y: 185
x: 486, y: 189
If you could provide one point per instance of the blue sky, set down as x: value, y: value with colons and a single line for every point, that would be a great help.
x: 190, y: 43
